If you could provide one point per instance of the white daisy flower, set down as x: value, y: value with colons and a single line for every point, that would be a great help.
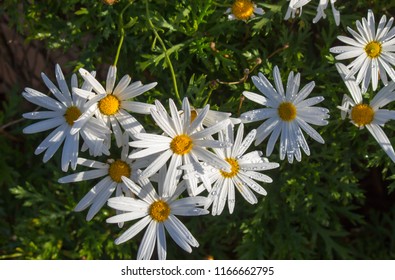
x: 61, y: 117
x: 243, y: 173
x: 158, y: 213
x: 295, y: 7
x: 184, y: 142
x: 369, y: 115
x: 112, y: 171
x: 243, y: 10
x: 113, y: 105
x: 288, y: 113
x: 321, y: 14
x: 373, y: 51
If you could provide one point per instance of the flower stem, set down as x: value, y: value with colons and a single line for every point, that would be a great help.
x: 121, y: 32
x: 168, y: 61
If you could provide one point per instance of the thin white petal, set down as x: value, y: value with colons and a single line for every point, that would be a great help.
x: 382, y: 139
x: 246, y: 143
x: 157, y: 164
x: 44, y: 125
x: 100, y: 200
x: 92, y: 81
x: 147, y: 244
x: 91, y: 195
x: 137, y: 107
x: 211, y: 159
x: 83, y: 176
x: 258, y: 115
x: 255, y: 97
x: 133, y: 230
x: 42, y: 100
x: 173, y: 175
x: 161, y: 242
x: 122, y: 84
x: 310, y: 131
x: 128, y: 204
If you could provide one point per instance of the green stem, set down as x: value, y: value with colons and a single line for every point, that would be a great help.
x: 121, y: 32
x: 168, y: 61
x: 208, y: 97
x: 119, y: 47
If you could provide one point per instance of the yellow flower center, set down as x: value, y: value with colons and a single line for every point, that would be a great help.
x: 242, y: 9
x: 109, y: 105
x: 118, y: 169
x: 181, y: 144
x: 287, y: 111
x: 159, y: 211
x: 72, y: 114
x: 373, y: 49
x: 234, y: 168
x: 362, y: 114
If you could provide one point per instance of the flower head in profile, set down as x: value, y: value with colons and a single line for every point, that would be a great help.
x: 321, y: 14
x: 184, y: 141
x: 111, y: 173
x: 243, y: 175
x: 369, y: 115
x: 158, y: 214
x: 288, y: 113
x: 372, y: 50
x: 114, y: 103
x: 243, y: 10
x: 295, y: 7
x: 61, y: 116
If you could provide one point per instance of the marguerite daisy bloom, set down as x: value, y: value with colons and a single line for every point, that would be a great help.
x: 112, y: 171
x: 242, y: 175
x: 158, y: 213
x: 369, y: 115
x: 288, y: 113
x: 61, y: 117
x: 373, y: 51
x: 243, y: 10
x: 183, y: 142
x: 321, y: 14
x: 113, y: 105
x: 294, y: 7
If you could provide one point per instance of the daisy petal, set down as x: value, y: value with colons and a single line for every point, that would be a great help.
x: 133, y: 230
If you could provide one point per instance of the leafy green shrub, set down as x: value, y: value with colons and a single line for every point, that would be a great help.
x: 337, y: 203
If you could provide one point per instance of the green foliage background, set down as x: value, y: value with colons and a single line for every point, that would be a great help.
x: 337, y: 203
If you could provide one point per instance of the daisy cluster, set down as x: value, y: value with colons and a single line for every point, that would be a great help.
x: 158, y: 175
x: 190, y: 161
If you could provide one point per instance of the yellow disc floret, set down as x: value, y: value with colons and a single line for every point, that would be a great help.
x: 362, y: 114
x: 373, y: 49
x: 118, y: 169
x: 72, y: 114
x: 234, y: 168
x: 109, y: 105
x: 181, y: 144
x: 242, y: 9
x: 159, y: 211
x: 287, y: 111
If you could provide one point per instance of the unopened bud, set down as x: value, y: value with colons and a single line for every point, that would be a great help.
x: 109, y: 2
